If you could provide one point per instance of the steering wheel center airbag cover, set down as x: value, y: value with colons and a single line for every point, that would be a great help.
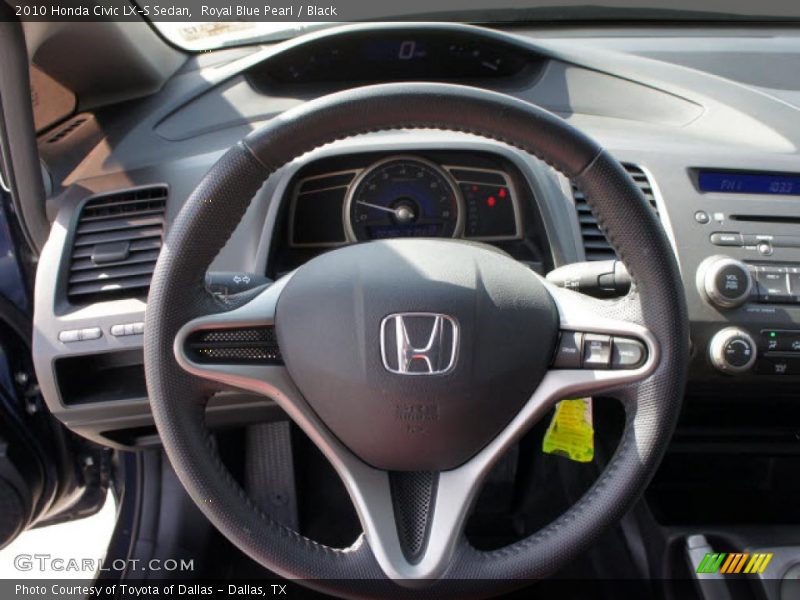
x: 480, y: 330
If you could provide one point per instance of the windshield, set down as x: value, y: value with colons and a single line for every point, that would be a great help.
x: 216, y: 34
x: 256, y: 21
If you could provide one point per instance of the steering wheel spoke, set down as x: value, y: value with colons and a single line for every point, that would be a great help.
x: 237, y: 347
x: 413, y: 521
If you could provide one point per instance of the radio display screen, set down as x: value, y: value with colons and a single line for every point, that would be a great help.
x: 749, y: 183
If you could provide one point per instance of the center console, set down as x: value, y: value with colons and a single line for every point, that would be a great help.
x: 746, y: 311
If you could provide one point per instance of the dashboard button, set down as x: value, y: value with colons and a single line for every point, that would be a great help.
x: 568, y: 354
x: 771, y: 340
x: 80, y: 335
x: 125, y: 329
x: 794, y: 283
x: 727, y: 239
x: 764, y: 248
x: 596, y: 351
x: 786, y: 241
x: 750, y: 239
x: 731, y: 281
x: 773, y: 284
x: 724, y: 282
x: 738, y: 353
x: 777, y: 366
x: 791, y: 342
x: 780, y: 341
x: 627, y: 353
x: 702, y: 217
x: 90, y: 333
x: 69, y: 335
x: 732, y: 350
x: 788, y: 341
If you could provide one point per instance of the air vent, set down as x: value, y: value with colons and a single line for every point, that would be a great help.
x: 66, y: 130
x: 255, y: 345
x: 595, y: 243
x: 116, y: 245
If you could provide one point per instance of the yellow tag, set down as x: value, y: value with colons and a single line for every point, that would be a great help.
x: 571, y: 433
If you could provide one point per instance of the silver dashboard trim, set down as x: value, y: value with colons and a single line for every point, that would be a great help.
x: 296, y: 193
x: 542, y: 180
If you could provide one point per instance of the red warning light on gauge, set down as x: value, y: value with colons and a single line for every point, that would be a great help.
x: 491, y: 201
x: 502, y: 193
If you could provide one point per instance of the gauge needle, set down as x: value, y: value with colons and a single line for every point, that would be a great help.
x: 377, y: 207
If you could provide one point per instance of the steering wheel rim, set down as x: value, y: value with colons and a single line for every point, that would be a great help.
x: 654, y: 311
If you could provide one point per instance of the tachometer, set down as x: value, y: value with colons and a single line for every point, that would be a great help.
x: 403, y: 197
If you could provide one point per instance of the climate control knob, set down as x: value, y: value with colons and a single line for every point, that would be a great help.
x: 725, y: 282
x: 732, y: 350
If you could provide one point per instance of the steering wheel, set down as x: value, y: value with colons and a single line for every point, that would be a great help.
x: 413, y: 364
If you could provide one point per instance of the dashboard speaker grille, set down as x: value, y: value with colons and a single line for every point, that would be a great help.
x: 116, y: 245
x: 595, y: 244
x: 235, y: 346
x: 66, y: 130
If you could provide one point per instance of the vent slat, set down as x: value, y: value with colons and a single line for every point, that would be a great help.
x: 66, y: 130
x: 85, y: 264
x: 134, y: 218
x: 125, y: 205
x: 118, y: 223
x: 598, y: 245
x: 108, y: 273
x: 595, y: 243
x: 141, y: 245
x: 107, y: 287
x: 118, y: 236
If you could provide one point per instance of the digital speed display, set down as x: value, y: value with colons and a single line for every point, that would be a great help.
x: 749, y: 183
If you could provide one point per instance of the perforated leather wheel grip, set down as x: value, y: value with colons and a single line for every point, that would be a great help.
x: 654, y: 311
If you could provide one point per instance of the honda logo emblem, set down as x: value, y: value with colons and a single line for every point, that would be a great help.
x: 419, y: 343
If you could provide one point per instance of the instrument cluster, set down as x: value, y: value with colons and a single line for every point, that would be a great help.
x: 405, y: 195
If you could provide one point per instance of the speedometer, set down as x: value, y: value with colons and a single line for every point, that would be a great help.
x: 403, y: 197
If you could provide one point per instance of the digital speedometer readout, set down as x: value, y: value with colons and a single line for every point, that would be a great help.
x: 404, y: 197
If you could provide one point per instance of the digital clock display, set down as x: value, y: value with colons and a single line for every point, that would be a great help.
x: 749, y: 183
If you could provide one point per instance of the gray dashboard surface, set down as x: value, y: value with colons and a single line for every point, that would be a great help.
x: 667, y: 100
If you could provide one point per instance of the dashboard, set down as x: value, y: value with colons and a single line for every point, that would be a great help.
x: 712, y: 146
